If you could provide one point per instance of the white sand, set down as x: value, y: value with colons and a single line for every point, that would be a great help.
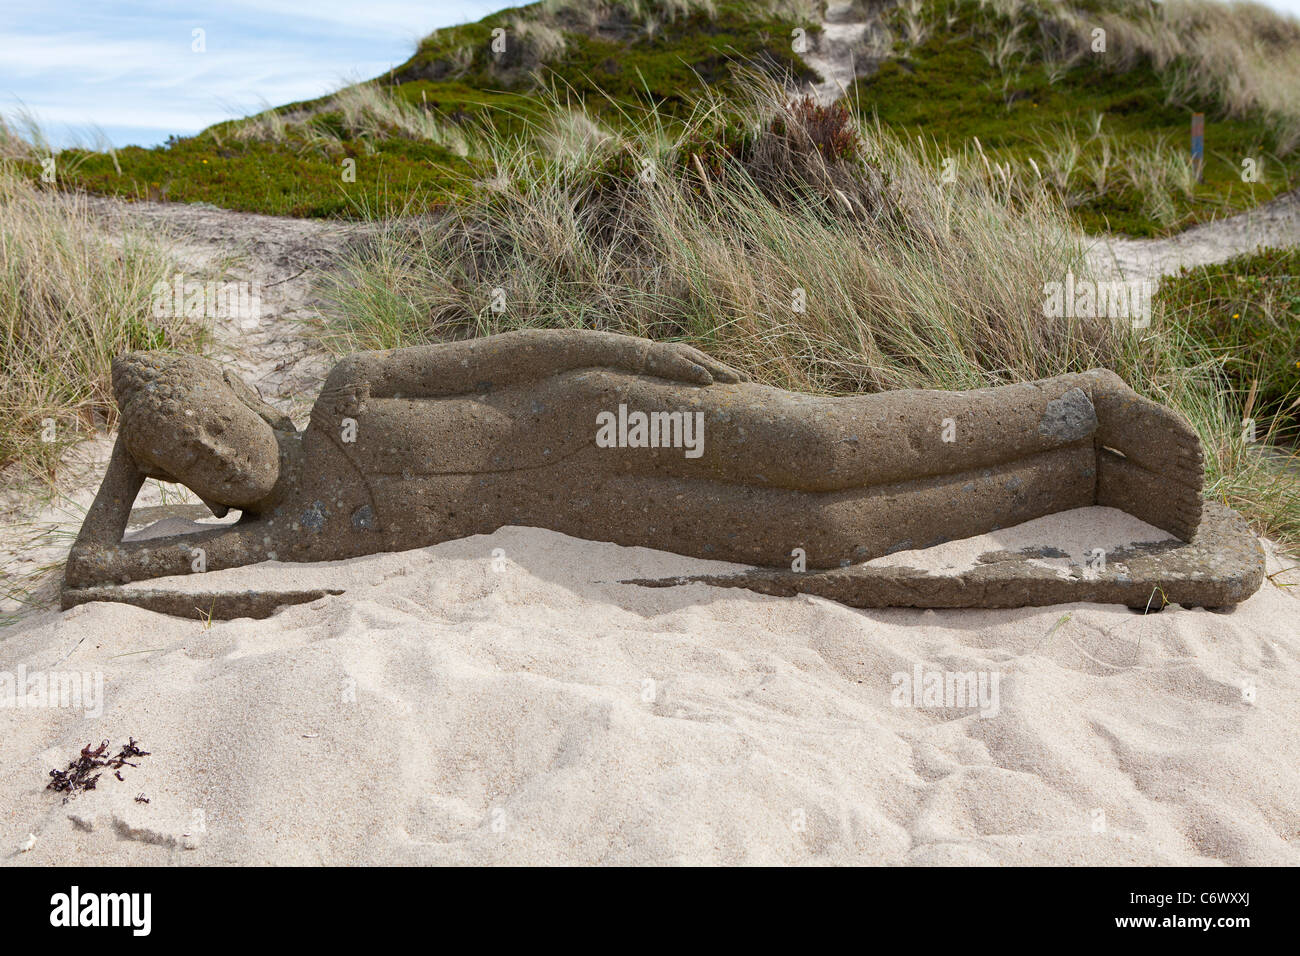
x: 443, y: 711
x: 1078, y: 535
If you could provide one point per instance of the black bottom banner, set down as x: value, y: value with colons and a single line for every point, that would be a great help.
x: 181, y: 905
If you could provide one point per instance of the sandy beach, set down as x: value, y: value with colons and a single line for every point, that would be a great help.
x: 505, y: 699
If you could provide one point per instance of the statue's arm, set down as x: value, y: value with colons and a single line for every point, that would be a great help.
x: 91, y: 564
x: 515, y: 358
x: 106, y: 521
x: 100, y: 556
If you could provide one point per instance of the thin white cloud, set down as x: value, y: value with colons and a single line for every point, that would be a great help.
x: 132, y: 66
x: 392, y: 17
x: 88, y: 55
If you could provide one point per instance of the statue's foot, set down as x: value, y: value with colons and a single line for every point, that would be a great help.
x: 1149, y: 462
x: 1168, y: 505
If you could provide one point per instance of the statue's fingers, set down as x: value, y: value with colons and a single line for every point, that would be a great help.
x: 725, y: 373
x: 721, y: 371
x: 695, y: 374
x: 676, y: 366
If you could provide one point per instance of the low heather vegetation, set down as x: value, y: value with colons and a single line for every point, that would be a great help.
x: 1103, y: 118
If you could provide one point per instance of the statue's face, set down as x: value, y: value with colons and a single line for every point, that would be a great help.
x: 183, y: 421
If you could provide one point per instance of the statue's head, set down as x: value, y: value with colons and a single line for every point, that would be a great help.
x: 185, y: 420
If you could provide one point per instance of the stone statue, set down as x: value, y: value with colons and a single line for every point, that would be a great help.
x: 614, y: 438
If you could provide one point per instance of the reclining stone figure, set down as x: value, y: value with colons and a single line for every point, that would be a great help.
x: 586, y: 433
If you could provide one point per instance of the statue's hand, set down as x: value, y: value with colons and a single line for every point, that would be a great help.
x: 678, y: 362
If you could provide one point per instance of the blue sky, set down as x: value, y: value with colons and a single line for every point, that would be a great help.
x: 127, y: 67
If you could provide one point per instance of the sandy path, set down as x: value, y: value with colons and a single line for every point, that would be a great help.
x: 853, y: 43
x: 1276, y: 223
x: 281, y: 258
x: 849, y: 46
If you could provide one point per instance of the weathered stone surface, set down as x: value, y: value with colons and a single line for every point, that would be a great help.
x: 411, y: 447
x: 181, y: 412
x: 1069, y: 418
x: 1222, y: 566
x: 209, y: 606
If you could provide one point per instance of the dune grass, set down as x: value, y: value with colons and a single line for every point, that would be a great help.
x: 18, y: 144
x: 1110, y: 128
x: 710, y: 232
x: 72, y: 296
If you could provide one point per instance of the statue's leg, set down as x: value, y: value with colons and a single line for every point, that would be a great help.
x: 764, y: 436
x: 1147, y: 457
x: 745, y: 522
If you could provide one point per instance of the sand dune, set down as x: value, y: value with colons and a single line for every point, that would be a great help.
x: 456, y: 707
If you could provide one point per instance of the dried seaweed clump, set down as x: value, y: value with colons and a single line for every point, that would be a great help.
x: 84, y: 772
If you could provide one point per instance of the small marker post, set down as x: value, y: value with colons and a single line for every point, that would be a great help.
x: 1198, y: 144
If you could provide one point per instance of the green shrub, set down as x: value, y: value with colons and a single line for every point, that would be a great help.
x: 1248, y: 310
